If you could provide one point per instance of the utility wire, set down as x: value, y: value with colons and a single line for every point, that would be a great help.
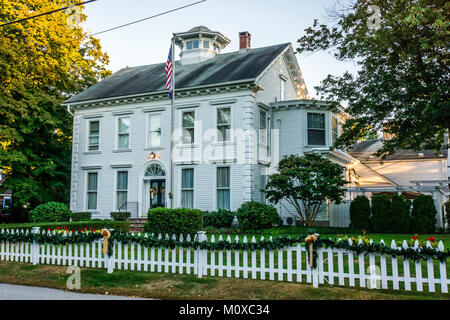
x: 156, y: 15
x: 46, y: 13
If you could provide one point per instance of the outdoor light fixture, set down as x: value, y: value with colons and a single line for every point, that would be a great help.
x: 152, y: 156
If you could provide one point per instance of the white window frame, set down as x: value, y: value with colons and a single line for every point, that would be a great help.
x: 337, y: 128
x: 324, y: 129
x: 88, y: 143
x: 223, y: 188
x: 192, y: 41
x: 120, y: 190
x: 91, y: 191
x: 282, y: 89
x: 119, y: 133
x: 182, y: 127
x: 187, y: 189
x: 230, y: 124
x: 150, y: 114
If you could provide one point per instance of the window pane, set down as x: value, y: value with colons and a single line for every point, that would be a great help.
x: 122, y: 200
x: 195, y: 44
x: 92, y: 200
x: 122, y: 180
x: 316, y: 121
x: 187, y: 179
x: 124, y: 125
x: 316, y: 137
x: 94, y: 127
x: 262, y: 120
x: 206, y: 44
x: 155, y: 130
x: 334, y: 124
x: 123, y: 141
x: 155, y: 139
x: 223, y: 116
x: 189, y: 45
x: 188, y: 136
x: 224, y: 133
x: 188, y: 119
x: 92, y: 181
x: 223, y: 177
x: 187, y: 199
x: 223, y: 199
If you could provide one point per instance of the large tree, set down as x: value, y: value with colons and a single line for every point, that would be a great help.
x: 403, y: 80
x: 305, y: 183
x: 42, y: 61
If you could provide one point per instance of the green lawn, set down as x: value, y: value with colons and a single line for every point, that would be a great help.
x: 175, y: 286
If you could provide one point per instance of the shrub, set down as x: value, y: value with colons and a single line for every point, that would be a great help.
x: 123, y: 226
x: 50, y: 212
x: 380, y: 221
x: 447, y: 212
x: 80, y: 216
x: 174, y: 221
x: 399, y: 211
x: 360, y: 213
x: 120, y: 215
x: 423, y: 214
x: 218, y: 219
x: 253, y: 215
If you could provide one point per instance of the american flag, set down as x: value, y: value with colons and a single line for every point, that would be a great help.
x: 169, y: 73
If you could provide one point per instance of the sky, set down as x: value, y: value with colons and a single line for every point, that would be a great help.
x: 269, y: 22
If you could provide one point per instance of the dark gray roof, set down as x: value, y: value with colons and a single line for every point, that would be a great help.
x: 363, y: 149
x: 228, y: 67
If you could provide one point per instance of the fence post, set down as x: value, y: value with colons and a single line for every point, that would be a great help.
x: 110, y: 259
x: 201, y: 235
x: 35, y: 246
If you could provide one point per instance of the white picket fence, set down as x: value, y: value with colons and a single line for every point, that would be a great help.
x: 334, y: 266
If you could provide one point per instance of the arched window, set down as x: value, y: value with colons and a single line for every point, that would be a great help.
x: 155, y: 170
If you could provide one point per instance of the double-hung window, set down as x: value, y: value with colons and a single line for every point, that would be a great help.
x: 224, y: 124
x: 188, y: 127
x: 192, y: 44
x: 94, y: 135
x: 187, y: 188
x: 92, y: 190
x: 263, y: 127
x: 316, y: 129
x: 154, y: 130
x: 123, y: 133
x: 122, y: 190
x: 282, y: 89
x: 223, y: 188
x: 334, y: 129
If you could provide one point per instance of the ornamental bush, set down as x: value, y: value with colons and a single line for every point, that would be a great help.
x: 218, y: 219
x: 360, y: 213
x: 423, y: 214
x: 253, y: 215
x: 380, y: 220
x: 174, y: 221
x: 120, y: 215
x: 50, y: 212
x: 399, y: 210
x: 80, y: 216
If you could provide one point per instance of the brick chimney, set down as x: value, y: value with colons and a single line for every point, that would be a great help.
x: 244, y: 40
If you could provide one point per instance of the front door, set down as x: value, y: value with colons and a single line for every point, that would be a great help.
x: 157, y: 192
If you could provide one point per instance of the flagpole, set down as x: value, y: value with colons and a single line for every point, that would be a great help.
x: 171, y: 121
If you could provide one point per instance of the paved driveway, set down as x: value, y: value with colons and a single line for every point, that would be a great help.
x: 18, y: 292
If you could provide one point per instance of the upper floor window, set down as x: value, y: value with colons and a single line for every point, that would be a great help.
x: 206, y: 44
x: 94, y: 135
x: 316, y: 129
x: 334, y: 129
x: 123, y: 133
x: 282, y: 89
x: 192, y: 44
x: 188, y: 127
x: 92, y: 190
x: 154, y: 130
x: 224, y: 124
x: 262, y: 127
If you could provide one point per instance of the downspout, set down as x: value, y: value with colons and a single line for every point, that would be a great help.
x: 69, y: 111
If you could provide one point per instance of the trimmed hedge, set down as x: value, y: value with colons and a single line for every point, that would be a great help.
x: 218, y: 219
x: 81, y: 216
x: 399, y: 211
x: 174, y: 221
x: 381, y: 220
x: 120, y: 215
x: 253, y: 215
x: 423, y: 214
x: 360, y: 213
x: 123, y: 226
x: 50, y: 212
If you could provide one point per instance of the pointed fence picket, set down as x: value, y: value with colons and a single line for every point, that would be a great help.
x: 333, y: 264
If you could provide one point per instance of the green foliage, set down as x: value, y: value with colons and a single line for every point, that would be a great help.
x: 360, y: 213
x: 50, y: 212
x: 80, y: 216
x: 423, y: 214
x: 174, y: 221
x: 399, y: 211
x: 381, y: 219
x: 218, y: 219
x: 447, y: 212
x: 253, y: 215
x: 306, y: 183
x: 120, y: 215
x: 403, y: 71
x: 122, y: 226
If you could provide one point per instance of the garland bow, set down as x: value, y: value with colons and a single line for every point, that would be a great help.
x: 106, y: 235
x: 311, y: 240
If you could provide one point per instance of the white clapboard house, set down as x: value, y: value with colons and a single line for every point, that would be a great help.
x: 235, y: 116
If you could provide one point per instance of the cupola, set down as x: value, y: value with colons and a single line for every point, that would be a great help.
x: 200, y: 44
